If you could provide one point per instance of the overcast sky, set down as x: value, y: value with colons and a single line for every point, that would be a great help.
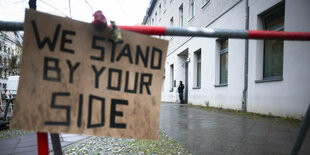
x: 124, y: 12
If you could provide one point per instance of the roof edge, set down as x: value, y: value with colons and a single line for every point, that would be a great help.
x: 152, y: 5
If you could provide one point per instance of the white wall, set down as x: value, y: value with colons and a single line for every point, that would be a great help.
x: 226, y: 97
x: 289, y: 97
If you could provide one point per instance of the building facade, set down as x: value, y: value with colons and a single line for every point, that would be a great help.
x: 212, y: 69
x: 10, y: 52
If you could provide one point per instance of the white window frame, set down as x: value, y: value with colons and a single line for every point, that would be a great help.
x: 192, y: 8
x: 171, y: 77
x: 181, y: 15
x: 223, y: 51
x: 171, y: 21
x: 218, y: 52
x: 197, y: 61
x: 275, y: 28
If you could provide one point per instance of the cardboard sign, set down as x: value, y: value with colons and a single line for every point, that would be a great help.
x: 75, y: 79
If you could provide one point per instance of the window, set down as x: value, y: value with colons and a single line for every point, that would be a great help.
x: 155, y: 17
x: 181, y: 15
x: 273, y: 49
x: 192, y: 8
x: 152, y: 21
x: 198, y: 68
x: 171, y: 21
x: 4, y: 48
x: 164, y: 6
x: 171, y: 77
x: 159, y: 10
x: 223, y: 61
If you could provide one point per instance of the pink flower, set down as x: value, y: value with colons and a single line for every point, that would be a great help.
x: 100, y: 21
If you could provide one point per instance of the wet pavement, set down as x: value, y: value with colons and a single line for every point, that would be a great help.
x: 199, y: 131
x: 205, y: 132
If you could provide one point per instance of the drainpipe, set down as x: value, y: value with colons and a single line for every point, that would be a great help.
x: 246, y: 60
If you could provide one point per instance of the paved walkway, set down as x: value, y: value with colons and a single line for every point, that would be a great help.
x: 204, y: 132
x: 201, y: 132
x: 27, y: 145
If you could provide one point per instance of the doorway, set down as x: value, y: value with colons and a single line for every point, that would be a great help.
x: 183, y: 72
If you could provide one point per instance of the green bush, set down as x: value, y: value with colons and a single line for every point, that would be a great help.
x: 207, y: 104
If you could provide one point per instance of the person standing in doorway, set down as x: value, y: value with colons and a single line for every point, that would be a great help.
x: 180, y: 89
